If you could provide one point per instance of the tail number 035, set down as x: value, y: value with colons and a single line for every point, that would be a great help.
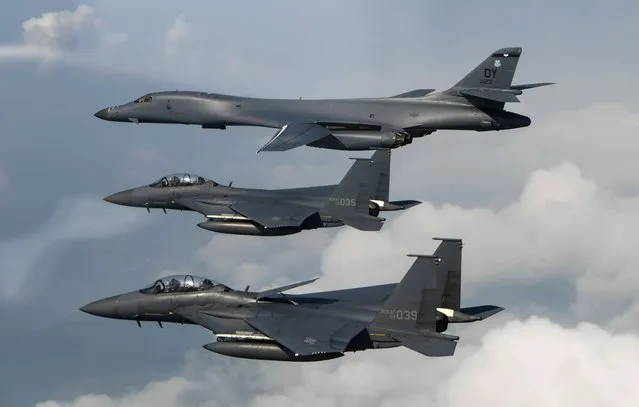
x: 344, y: 201
x: 403, y: 314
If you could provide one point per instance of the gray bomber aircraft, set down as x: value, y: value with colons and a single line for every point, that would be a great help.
x: 356, y: 201
x: 272, y: 325
x: 474, y: 103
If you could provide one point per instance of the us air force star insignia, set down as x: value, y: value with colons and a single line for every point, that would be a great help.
x: 310, y: 341
x: 497, y: 63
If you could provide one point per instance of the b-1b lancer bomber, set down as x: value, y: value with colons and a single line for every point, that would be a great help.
x: 272, y: 325
x: 475, y: 103
x: 356, y: 201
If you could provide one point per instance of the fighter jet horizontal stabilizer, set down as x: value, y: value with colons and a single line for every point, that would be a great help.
x: 482, y: 311
x: 400, y: 205
x: 428, y: 346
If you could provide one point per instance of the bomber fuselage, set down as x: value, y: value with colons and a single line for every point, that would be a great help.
x: 419, y: 116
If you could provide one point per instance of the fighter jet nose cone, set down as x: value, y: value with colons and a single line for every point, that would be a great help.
x: 100, y: 308
x: 102, y: 114
x: 120, y: 198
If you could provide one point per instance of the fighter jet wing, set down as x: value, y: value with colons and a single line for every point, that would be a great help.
x: 269, y: 214
x: 306, y: 335
x: 275, y: 214
x: 295, y: 135
x: 203, y: 206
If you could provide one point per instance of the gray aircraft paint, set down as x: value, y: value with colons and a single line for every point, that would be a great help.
x: 356, y: 201
x: 272, y: 325
x: 474, y: 103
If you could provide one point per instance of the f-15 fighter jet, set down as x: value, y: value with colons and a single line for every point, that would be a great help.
x: 475, y: 103
x: 272, y: 325
x: 356, y: 201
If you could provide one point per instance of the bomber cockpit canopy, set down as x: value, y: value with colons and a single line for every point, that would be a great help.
x: 181, y: 284
x: 144, y: 99
x: 180, y: 180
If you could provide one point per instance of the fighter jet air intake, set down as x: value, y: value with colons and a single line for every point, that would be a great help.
x: 476, y: 102
x: 356, y: 201
x: 272, y: 325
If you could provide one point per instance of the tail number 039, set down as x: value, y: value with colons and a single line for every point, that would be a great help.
x: 402, y: 314
x: 344, y: 201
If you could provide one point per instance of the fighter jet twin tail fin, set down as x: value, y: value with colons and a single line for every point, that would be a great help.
x: 418, y: 309
x: 350, y: 200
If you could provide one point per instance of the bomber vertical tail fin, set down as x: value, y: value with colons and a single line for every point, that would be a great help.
x: 496, y: 71
x: 490, y: 85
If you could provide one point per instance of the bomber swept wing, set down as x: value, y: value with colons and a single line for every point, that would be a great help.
x: 295, y: 135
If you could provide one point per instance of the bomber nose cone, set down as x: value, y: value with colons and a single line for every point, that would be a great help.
x: 102, y: 114
x: 121, y: 198
x: 101, y: 308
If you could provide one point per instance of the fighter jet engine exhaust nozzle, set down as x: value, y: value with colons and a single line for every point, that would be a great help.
x: 246, y: 228
x: 441, y: 322
x: 373, y: 209
x: 264, y: 351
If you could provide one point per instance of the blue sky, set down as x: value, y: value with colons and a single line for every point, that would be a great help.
x: 549, y: 214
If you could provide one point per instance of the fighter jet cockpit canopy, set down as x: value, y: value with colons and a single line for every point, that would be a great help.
x: 180, y: 180
x: 182, y: 284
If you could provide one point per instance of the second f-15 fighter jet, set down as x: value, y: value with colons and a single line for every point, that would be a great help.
x: 475, y: 103
x: 271, y: 325
x: 356, y: 201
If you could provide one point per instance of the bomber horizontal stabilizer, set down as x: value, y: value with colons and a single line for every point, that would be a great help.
x: 531, y: 85
x: 495, y: 95
x: 295, y: 135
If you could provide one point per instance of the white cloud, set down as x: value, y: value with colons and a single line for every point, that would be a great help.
x: 59, y: 31
x: 520, y: 363
x: 562, y: 227
x: 176, y: 37
x: 53, y: 34
x: 75, y: 218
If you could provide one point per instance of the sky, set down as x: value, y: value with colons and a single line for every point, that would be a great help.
x: 549, y: 214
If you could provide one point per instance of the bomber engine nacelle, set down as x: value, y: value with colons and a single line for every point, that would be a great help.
x: 504, y: 120
x: 264, y: 350
x: 373, y: 209
x: 357, y: 140
x: 245, y: 228
x: 441, y: 322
